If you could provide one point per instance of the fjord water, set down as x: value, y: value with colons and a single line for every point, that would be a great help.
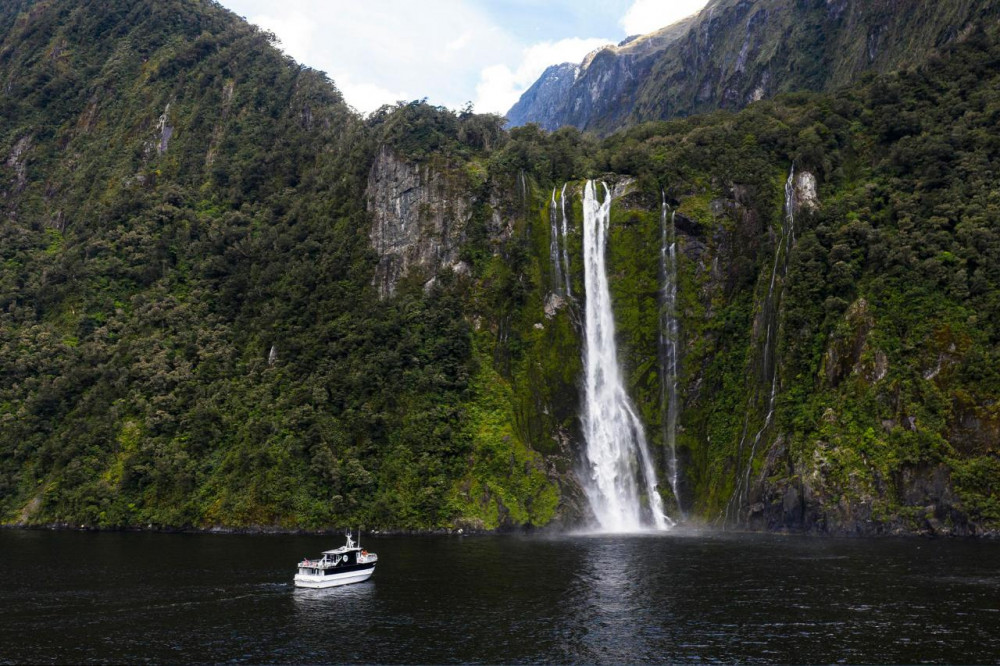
x: 665, y: 597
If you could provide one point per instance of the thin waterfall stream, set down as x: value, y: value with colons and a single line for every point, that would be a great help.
x: 621, y: 469
x: 565, y: 242
x: 741, y: 492
x: 554, y: 254
x: 669, y: 342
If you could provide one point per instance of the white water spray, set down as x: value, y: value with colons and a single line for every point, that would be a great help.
x: 669, y: 342
x: 620, y: 467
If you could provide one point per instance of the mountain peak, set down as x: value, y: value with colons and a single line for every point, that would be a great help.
x: 735, y: 52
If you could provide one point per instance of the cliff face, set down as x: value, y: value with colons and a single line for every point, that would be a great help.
x: 418, y: 220
x: 226, y: 299
x: 542, y: 102
x: 735, y: 52
x: 561, y: 97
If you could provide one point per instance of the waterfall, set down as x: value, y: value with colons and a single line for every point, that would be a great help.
x: 769, y: 364
x: 669, y: 342
x: 620, y: 466
x: 554, y: 254
x: 565, y: 243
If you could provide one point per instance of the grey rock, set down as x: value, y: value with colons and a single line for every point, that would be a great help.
x: 541, y: 102
x: 15, y: 160
x: 165, y: 130
x: 806, y: 197
x: 419, y: 217
x: 736, y: 52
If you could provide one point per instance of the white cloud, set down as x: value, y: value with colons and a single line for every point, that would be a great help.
x: 294, y: 32
x: 367, y: 97
x: 649, y: 15
x: 446, y: 50
x: 389, y: 50
x: 500, y: 87
x: 459, y: 42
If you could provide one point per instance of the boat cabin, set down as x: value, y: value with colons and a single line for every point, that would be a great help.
x: 335, y: 561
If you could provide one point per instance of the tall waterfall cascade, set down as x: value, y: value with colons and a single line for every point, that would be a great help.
x: 620, y: 468
x: 669, y: 342
x: 769, y: 362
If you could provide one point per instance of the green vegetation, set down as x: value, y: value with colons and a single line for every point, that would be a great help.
x: 190, y: 336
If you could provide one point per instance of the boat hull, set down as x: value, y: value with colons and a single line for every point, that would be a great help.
x: 316, y: 581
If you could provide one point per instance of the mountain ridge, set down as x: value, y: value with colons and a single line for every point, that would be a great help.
x: 735, y: 52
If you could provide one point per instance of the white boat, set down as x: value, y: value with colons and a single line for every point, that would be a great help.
x: 344, y: 565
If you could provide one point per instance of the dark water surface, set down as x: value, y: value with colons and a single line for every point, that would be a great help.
x: 72, y: 597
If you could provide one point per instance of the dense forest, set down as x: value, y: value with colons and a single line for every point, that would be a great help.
x: 192, y: 333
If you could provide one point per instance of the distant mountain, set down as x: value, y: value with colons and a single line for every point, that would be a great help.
x: 546, y: 101
x: 541, y: 102
x: 737, y: 51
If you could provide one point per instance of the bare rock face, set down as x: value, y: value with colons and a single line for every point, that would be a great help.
x: 811, y: 493
x: 419, y: 216
x: 805, y: 191
x: 166, y: 131
x: 597, y: 88
x: 735, y: 52
x: 542, y: 102
x: 16, y: 161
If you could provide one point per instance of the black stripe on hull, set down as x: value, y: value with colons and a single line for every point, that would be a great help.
x: 339, y: 570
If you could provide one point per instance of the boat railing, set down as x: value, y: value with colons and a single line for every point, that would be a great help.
x: 363, y: 558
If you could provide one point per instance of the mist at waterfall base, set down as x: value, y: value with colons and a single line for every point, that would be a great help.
x: 71, y: 597
x: 620, y: 470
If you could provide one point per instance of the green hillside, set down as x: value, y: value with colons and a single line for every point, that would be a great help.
x: 209, y: 315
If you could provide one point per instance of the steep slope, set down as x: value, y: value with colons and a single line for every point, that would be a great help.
x: 548, y: 100
x: 157, y: 152
x: 542, y: 102
x: 226, y: 299
x: 735, y: 52
x: 838, y: 337
x: 187, y: 322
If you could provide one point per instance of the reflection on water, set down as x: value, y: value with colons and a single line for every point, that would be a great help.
x: 681, y: 596
x: 312, y: 599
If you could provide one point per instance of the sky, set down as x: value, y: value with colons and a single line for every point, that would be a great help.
x: 451, y: 52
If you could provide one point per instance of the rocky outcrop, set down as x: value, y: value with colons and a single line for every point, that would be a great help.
x: 16, y: 162
x: 165, y: 130
x: 806, y: 197
x: 419, y: 215
x: 811, y: 493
